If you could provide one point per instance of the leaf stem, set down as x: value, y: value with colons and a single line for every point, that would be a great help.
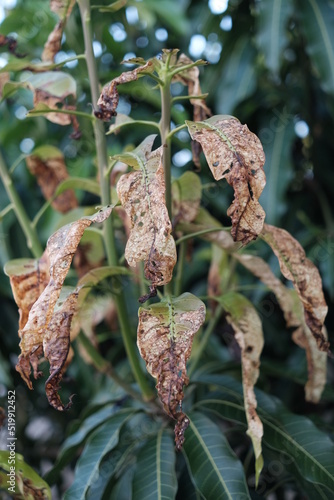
x: 205, y: 338
x: 109, y: 238
x: 180, y: 266
x: 31, y: 235
x: 175, y: 130
x: 199, y: 233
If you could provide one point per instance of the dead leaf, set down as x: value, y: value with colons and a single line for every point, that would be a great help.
x: 62, y: 8
x: 235, y: 154
x: 292, y: 309
x: 48, y: 165
x: 28, y: 279
x: 190, y: 78
x: 4, y: 78
x: 247, y: 326
x: 219, y: 273
x: 108, y: 100
x: 53, y: 43
x: 142, y: 194
x: 12, y: 45
x: 165, y: 336
x: 61, y: 247
x: 295, y: 266
x: 56, y: 345
x: 186, y: 196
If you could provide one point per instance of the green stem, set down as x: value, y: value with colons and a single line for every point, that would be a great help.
x: 38, y: 112
x: 180, y: 266
x: 24, y: 221
x: 109, y: 239
x: 166, y: 142
x: 175, y: 130
x: 205, y: 338
x: 199, y: 233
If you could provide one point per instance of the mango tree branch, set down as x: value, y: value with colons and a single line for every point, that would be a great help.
x: 109, y: 239
x: 24, y: 221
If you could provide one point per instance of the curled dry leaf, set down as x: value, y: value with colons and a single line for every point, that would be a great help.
x: 295, y: 266
x: 62, y: 8
x: 53, y: 43
x: 28, y: 279
x: 292, y: 309
x: 248, y: 333
x: 165, y: 336
x: 61, y: 247
x: 142, y: 194
x: 190, y: 78
x: 235, y: 154
x: 108, y: 100
x: 48, y: 165
x: 186, y: 195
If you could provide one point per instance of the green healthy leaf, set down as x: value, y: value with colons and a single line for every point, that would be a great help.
x: 292, y: 435
x: 155, y: 475
x: 170, y: 12
x: 271, y: 30
x: 56, y: 83
x: 248, y: 333
x: 215, y: 469
x: 239, y: 76
x: 27, y: 484
x: 123, y: 488
x: 113, y: 7
x: 88, y: 185
x: 316, y: 22
x: 103, y: 440
x: 277, y: 136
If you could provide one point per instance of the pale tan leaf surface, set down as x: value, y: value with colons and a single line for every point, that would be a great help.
x: 56, y: 344
x: 48, y: 165
x: 186, y: 197
x: 62, y: 8
x: 28, y: 279
x: 108, y: 100
x: 142, y: 194
x: 295, y: 266
x: 219, y: 273
x: 165, y: 336
x: 53, y: 43
x: 61, y: 247
x: 292, y: 309
x: 235, y: 154
x: 248, y: 333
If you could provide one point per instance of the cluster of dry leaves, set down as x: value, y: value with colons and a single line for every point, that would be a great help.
x: 166, y: 328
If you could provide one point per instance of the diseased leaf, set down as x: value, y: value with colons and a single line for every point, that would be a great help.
x: 295, y: 266
x: 292, y: 309
x: 219, y: 273
x: 108, y: 100
x: 248, y: 333
x: 53, y: 43
x: 235, y: 154
x: 165, y: 335
x: 48, y: 165
x: 142, y: 194
x: 28, y: 279
x: 62, y: 8
x: 4, y: 79
x: 61, y: 247
x: 186, y: 194
x: 12, y: 45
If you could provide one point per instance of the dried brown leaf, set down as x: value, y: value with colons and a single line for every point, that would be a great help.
x: 108, y: 100
x: 62, y: 8
x: 219, y: 273
x: 142, y: 194
x: 61, y: 247
x: 248, y: 333
x: 235, y: 154
x: 48, y: 165
x: 28, y: 279
x: 295, y: 266
x: 52, y: 102
x: 165, y: 335
x: 53, y: 43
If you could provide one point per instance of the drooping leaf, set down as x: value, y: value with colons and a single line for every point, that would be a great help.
x: 121, y: 121
x: 155, y: 474
x: 292, y: 309
x: 165, y: 335
x: 28, y: 279
x: 271, y: 30
x: 108, y: 100
x: 48, y: 165
x: 295, y: 266
x: 294, y: 436
x: 248, y: 333
x: 186, y: 194
x: 142, y: 194
x: 61, y: 247
x: 28, y: 485
x: 235, y: 154
x: 101, y: 442
x: 53, y: 43
x: 238, y: 74
x: 214, y: 468
x: 316, y: 23
x: 219, y: 272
